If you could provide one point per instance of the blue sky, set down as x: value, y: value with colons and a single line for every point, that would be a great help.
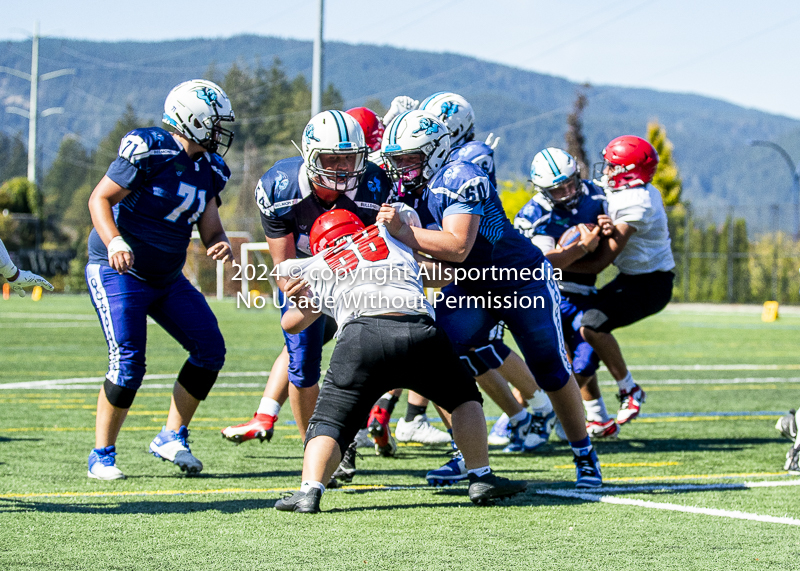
x: 739, y: 51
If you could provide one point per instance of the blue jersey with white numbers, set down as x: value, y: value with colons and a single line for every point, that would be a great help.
x: 539, y: 218
x: 288, y: 204
x: 479, y: 153
x: 168, y: 193
x: 464, y: 188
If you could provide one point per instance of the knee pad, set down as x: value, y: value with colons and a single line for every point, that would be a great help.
x: 120, y: 397
x: 585, y: 362
x: 594, y: 319
x: 316, y: 429
x: 197, y: 380
x: 473, y: 364
x: 494, y: 353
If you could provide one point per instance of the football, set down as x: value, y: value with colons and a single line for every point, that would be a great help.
x: 572, y: 234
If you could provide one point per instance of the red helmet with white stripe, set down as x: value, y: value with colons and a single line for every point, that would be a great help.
x: 629, y: 161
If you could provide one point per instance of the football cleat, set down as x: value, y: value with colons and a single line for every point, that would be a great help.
x: 261, y: 427
x: 630, y: 404
x: 363, y: 440
x: 451, y: 473
x: 174, y: 447
x: 103, y: 464
x: 541, y: 427
x: 519, y: 431
x: 559, y: 431
x: 347, y: 467
x: 598, y: 429
x: 587, y: 470
x: 792, y: 460
x: 484, y: 489
x: 420, y: 430
x: 379, y: 431
x: 787, y: 425
x: 301, y: 502
x: 500, y: 434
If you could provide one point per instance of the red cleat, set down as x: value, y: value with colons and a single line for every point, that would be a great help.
x: 609, y: 429
x: 379, y: 431
x: 260, y: 427
x: 630, y: 404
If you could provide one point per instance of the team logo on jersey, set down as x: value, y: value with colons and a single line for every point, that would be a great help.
x: 208, y: 95
x: 281, y: 181
x: 309, y: 134
x: 448, y: 109
x: 426, y: 127
x: 179, y: 168
x: 374, y: 187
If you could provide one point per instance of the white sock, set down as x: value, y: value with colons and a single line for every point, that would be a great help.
x: 519, y: 417
x: 540, y: 402
x: 627, y: 384
x: 306, y: 486
x: 269, y: 406
x: 480, y: 471
x: 596, y: 410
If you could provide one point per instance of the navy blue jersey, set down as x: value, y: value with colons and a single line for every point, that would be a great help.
x: 479, y: 153
x: 463, y: 188
x: 544, y: 225
x: 289, y: 206
x: 168, y: 194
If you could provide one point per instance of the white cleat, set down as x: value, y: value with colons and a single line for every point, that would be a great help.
x: 102, y: 464
x: 420, y: 430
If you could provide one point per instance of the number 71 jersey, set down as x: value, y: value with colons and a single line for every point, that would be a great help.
x: 373, y: 274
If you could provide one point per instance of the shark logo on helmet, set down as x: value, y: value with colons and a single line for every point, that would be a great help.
x: 448, y: 110
x: 427, y: 126
x: 309, y: 134
x: 208, y: 95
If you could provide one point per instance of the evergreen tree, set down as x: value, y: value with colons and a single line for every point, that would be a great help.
x: 574, y: 136
x: 67, y: 173
x: 13, y: 157
x: 667, y: 178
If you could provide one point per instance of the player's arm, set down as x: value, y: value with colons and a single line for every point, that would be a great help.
x: 452, y: 244
x: 433, y: 270
x: 218, y: 247
x: 299, y: 315
x: 607, y: 252
x: 564, y: 257
x: 104, y: 197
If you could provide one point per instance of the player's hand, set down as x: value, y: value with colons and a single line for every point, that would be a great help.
x: 389, y: 217
x: 400, y: 104
x: 590, y: 239
x: 121, y: 262
x: 295, y: 287
x: 605, y: 224
x: 221, y: 251
x: 28, y: 279
x: 492, y: 144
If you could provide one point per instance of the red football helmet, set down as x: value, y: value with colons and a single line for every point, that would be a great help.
x: 629, y: 161
x: 370, y: 124
x: 331, y: 226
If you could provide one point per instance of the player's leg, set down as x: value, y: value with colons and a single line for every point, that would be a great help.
x: 276, y: 392
x: 377, y: 426
x: 538, y: 333
x: 184, y: 313
x: 415, y: 426
x: 121, y: 304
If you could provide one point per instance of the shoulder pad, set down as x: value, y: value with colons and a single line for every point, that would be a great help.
x: 142, y: 144
x: 278, y: 190
x: 461, y: 181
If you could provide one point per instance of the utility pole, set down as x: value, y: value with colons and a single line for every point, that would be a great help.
x: 316, y: 67
x: 795, y: 180
x: 32, y: 113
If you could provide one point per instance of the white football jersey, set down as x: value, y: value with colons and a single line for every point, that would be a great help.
x: 372, y: 274
x: 649, y: 249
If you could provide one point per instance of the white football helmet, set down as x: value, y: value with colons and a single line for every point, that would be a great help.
x: 553, y: 168
x: 415, y: 133
x: 196, y: 109
x: 455, y: 112
x: 334, y: 133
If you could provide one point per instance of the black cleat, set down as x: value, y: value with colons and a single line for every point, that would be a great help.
x: 483, y: 490
x: 347, y: 467
x: 301, y: 502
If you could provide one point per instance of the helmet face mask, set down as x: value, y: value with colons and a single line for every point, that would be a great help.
x: 415, y: 146
x: 196, y: 109
x: 334, y: 152
x: 566, y: 194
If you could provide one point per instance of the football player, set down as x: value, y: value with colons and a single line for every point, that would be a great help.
x: 386, y: 329
x: 639, y: 245
x: 564, y: 200
x: 19, y: 279
x: 463, y: 223
x: 787, y: 426
x: 143, y: 211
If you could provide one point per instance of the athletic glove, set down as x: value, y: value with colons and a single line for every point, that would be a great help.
x: 28, y: 279
x: 400, y: 104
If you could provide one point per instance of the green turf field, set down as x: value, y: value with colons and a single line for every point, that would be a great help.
x: 715, y: 383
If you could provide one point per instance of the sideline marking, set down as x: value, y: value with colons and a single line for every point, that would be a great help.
x: 669, y: 507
